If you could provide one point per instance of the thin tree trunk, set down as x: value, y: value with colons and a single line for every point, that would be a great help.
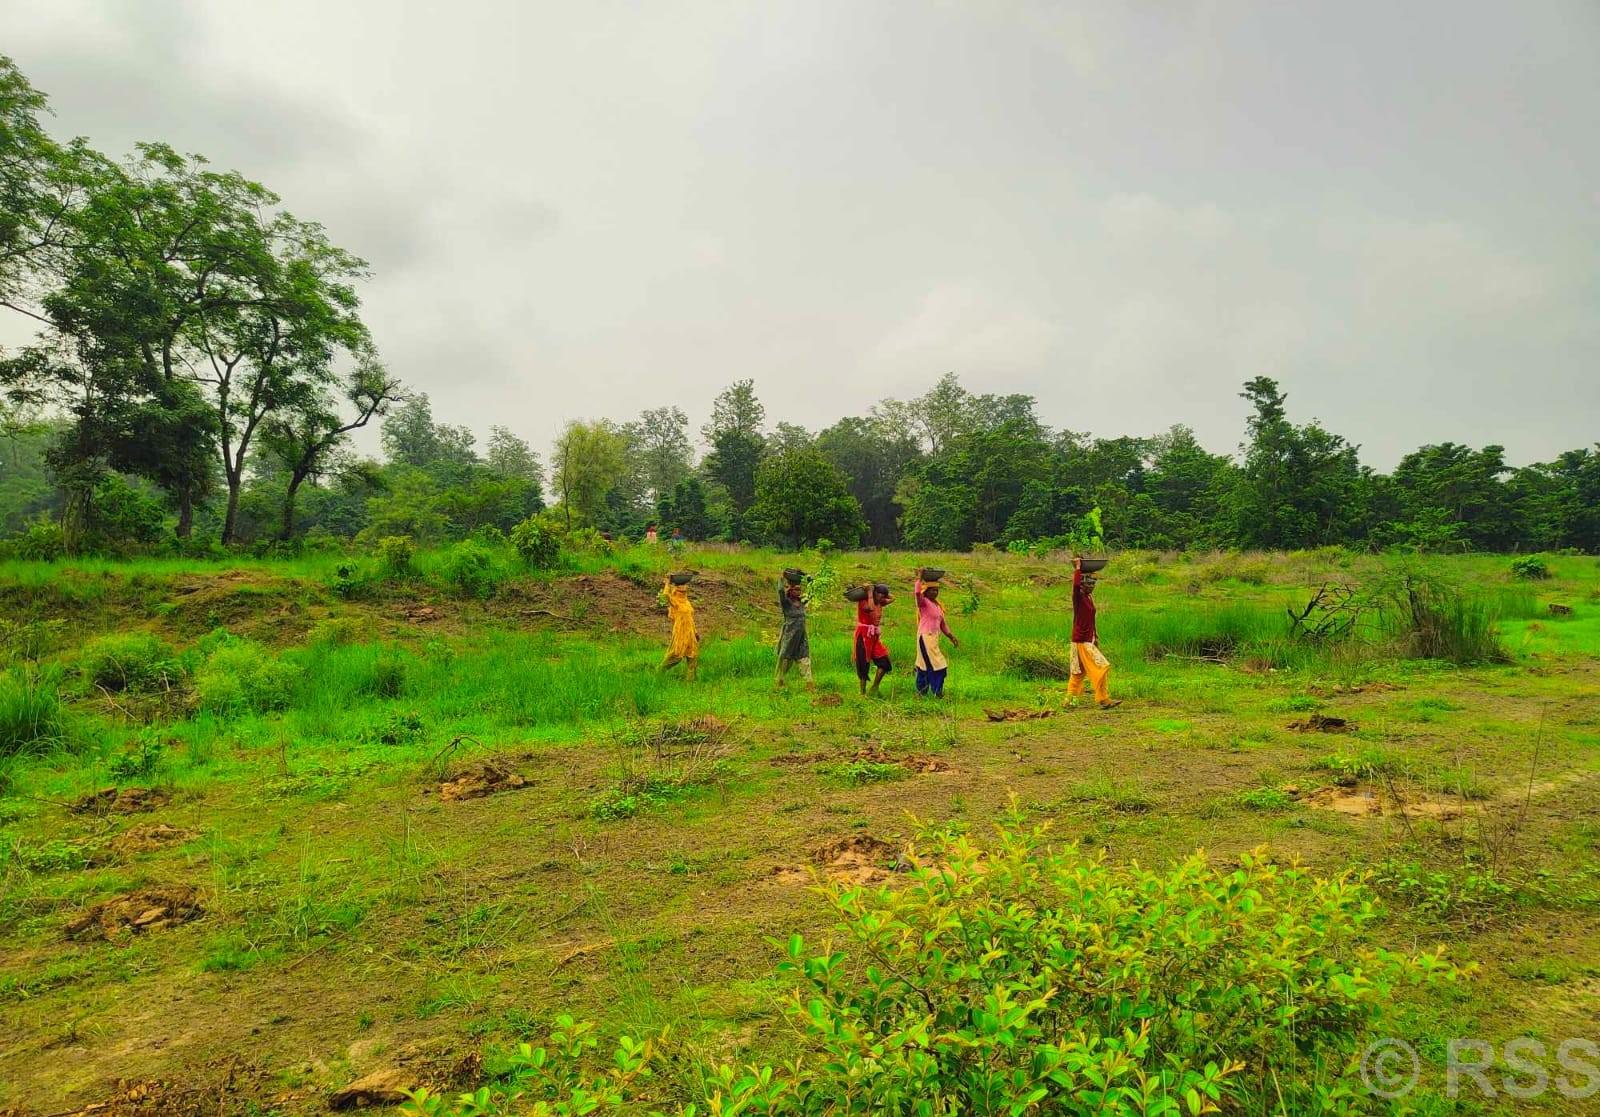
x: 185, y: 514
x: 231, y: 516
x: 286, y: 532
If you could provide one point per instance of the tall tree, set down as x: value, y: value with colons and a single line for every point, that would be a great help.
x: 295, y: 315
x: 873, y: 454
x: 659, y: 441
x: 737, y: 446
x: 305, y: 435
x: 589, y: 460
x: 1298, y: 486
x: 510, y: 456
x: 802, y: 497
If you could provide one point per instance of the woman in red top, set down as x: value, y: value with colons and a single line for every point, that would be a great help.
x: 1086, y: 658
x: 870, y: 651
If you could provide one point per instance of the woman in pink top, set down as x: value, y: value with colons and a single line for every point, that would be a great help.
x: 931, y: 666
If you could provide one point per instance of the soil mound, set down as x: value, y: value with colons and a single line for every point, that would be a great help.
x: 144, y: 839
x: 1017, y: 715
x: 121, y: 800
x: 149, y: 909
x: 487, y: 778
x: 1319, y: 723
x: 874, y: 754
x: 856, y: 859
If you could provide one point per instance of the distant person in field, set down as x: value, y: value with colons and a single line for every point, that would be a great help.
x: 870, y: 653
x: 1086, y: 657
x: 650, y: 535
x: 794, y: 642
x: 685, y: 646
x: 675, y: 544
x: 931, y: 666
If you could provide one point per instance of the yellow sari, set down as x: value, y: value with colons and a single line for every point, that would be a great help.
x: 685, y: 641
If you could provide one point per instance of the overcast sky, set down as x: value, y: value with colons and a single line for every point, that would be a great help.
x: 1125, y: 209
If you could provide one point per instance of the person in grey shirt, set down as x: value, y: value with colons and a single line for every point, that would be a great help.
x: 794, y: 644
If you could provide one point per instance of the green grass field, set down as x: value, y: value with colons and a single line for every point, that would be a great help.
x: 300, y: 727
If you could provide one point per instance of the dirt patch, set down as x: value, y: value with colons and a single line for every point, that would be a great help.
x: 421, y: 614
x: 387, y: 1086
x: 798, y: 758
x: 121, y: 800
x: 1017, y: 715
x: 830, y: 700
x: 487, y: 778
x: 874, y: 754
x: 1320, y: 723
x: 1358, y: 801
x: 149, y: 909
x: 145, y: 839
x: 857, y: 859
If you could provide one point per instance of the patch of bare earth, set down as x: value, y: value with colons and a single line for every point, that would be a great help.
x: 121, y: 800
x: 137, y: 913
x: 1321, y: 723
x: 488, y: 778
x: 911, y: 762
x: 857, y: 859
x: 147, y: 839
x: 1017, y: 715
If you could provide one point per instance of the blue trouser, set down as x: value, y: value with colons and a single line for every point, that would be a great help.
x: 929, y: 679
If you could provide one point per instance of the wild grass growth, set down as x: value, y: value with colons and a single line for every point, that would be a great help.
x: 32, y: 718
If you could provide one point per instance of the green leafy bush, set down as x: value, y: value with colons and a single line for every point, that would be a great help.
x: 32, y: 719
x: 1037, y: 659
x: 538, y: 546
x: 395, y: 555
x: 1031, y: 979
x: 42, y: 541
x: 132, y: 661
x: 1531, y: 568
x: 241, y: 676
x: 470, y: 569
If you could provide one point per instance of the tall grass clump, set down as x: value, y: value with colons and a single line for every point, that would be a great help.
x: 470, y: 568
x: 1433, y: 619
x: 1037, y: 659
x: 130, y: 661
x: 241, y: 676
x: 32, y: 719
x: 1218, y: 633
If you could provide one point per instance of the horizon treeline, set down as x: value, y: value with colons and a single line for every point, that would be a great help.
x: 201, y: 363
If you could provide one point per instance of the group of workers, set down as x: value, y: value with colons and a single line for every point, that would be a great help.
x: 869, y: 653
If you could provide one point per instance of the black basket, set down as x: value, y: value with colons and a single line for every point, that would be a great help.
x: 682, y: 577
x: 1094, y: 565
x: 931, y: 573
x: 857, y: 594
x: 794, y: 576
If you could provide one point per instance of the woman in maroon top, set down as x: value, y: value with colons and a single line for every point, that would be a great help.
x: 1086, y: 658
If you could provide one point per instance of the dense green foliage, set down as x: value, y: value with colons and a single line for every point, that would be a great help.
x: 1031, y: 979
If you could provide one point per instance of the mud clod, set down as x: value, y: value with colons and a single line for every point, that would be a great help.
x: 386, y: 1086
x: 857, y: 859
x: 121, y: 800
x: 487, y: 778
x: 149, y: 909
x: 1320, y: 723
x: 144, y: 839
x: 1017, y: 715
x: 874, y: 754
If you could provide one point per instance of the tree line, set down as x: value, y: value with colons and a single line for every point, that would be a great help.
x: 201, y: 364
